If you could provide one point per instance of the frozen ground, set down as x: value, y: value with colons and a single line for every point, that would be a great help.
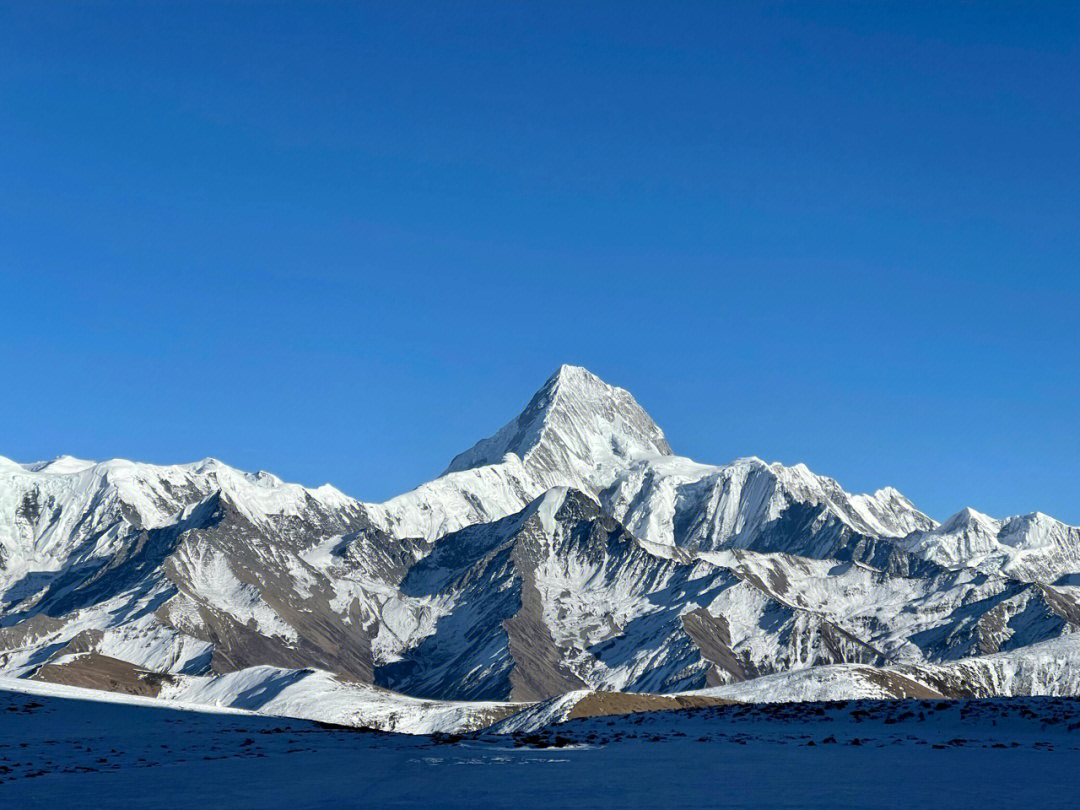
x: 109, y: 751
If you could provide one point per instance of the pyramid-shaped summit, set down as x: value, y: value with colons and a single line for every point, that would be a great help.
x: 576, y: 423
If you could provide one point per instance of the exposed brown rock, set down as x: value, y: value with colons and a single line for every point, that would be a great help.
x: 899, y: 685
x: 712, y: 636
x: 600, y: 704
x: 96, y: 671
x: 539, y: 671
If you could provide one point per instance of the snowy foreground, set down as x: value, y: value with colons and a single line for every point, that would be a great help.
x: 61, y: 747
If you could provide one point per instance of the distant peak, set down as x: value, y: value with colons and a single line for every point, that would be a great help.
x: 967, y: 517
x: 62, y: 465
x: 574, y: 425
x: 569, y: 381
x: 571, y: 375
x: 890, y: 493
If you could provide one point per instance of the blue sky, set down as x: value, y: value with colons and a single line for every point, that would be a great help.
x: 343, y: 242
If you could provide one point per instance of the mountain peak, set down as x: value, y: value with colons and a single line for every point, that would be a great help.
x: 567, y: 376
x: 575, y: 428
x: 967, y: 518
x: 61, y: 465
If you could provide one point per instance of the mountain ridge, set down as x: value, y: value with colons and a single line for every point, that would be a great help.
x: 570, y: 550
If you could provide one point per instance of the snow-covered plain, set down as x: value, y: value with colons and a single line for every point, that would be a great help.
x: 120, y: 752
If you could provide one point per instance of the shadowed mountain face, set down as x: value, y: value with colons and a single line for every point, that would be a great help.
x: 571, y: 550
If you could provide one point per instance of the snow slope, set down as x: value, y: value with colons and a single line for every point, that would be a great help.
x: 317, y: 695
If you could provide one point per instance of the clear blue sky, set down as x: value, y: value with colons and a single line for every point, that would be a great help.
x: 343, y: 243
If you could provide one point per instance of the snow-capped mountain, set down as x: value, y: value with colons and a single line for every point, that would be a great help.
x: 570, y: 551
x: 753, y: 505
x: 1034, y: 547
x: 576, y: 430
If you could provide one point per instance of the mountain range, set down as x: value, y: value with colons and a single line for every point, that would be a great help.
x: 570, y: 553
